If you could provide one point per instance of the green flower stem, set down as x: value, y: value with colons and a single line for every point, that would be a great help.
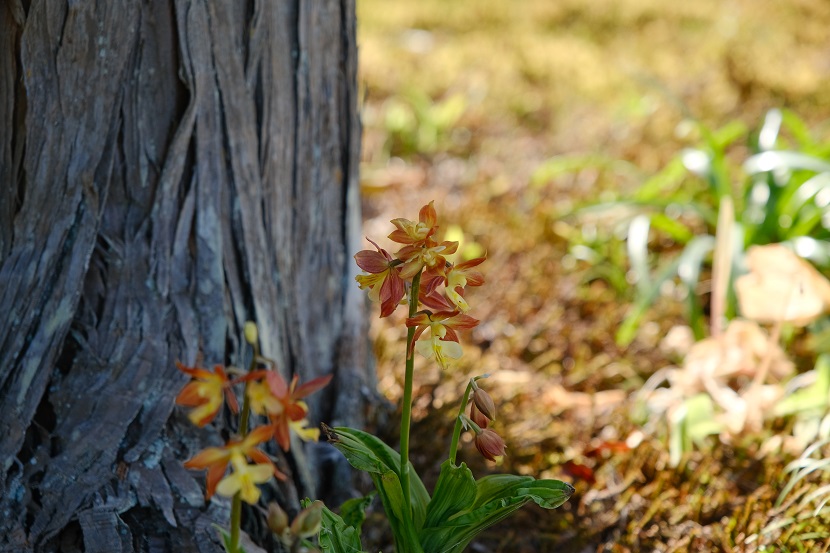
x: 456, y: 433
x: 244, y: 415
x: 236, y: 522
x: 406, y: 409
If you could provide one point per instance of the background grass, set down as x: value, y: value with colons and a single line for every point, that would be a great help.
x: 511, y: 114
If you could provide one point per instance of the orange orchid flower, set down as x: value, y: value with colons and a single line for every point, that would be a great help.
x: 429, y: 254
x: 383, y: 281
x: 206, y: 392
x: 410, y: 232
x: 244, y: 479
x: 442, y: 324
x: 216, y: 459
x: 443, y: 341
x: 294, y: 409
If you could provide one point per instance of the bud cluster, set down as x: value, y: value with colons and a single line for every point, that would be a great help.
x: 306, y: 524
x: 482, y: 412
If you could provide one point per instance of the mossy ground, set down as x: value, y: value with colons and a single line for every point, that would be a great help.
x: 462, y: 102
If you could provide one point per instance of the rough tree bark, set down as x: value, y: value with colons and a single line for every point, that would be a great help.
x: 168, y: 170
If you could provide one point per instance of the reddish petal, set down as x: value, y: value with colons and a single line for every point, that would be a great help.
x: 277, y: 384
x: 435, y: 301
x: 282, y: 434
x: 371, y: 262
x: 450, y: 246
x: 428, y: 215
x: 478, y: 417
x: 418, y: 331
x: 295, y: 412
x: 204, y: 420
x: 421, y: 318
x: 461, y: 321
x: 401, y: 237
x: 195, y: 372
x: 220, y: 370
x: 430, y: 282
x: 474, y: 278
x: 450, y: 336
x: 470, y: 263
x: 311, y: 386
x: 189, y: 396
x: 208, y: 457
x: 411, y: 268
x: 258, y: 435
x: 253, y: 375
x: 230, y: 397
x: 391, y: 292
x: 408, y: 252
x: 214, y: 475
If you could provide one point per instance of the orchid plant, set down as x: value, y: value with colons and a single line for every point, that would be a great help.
x: 421, y: 276
x: 418, y: 275
x: 268, y: 397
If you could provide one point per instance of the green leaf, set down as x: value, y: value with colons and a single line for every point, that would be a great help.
x: 691, y: 263
x: 676, y: 230
x: 496, y: 497
x: 353, y: 511
x: 637, y: 245
x: 337, y: 535
x: 226, y: 539
x: 663, y: 184
x: 779, y: 159
x: 454, y: 492
x: 700, y: 418
x: 692, y: 423
x: 628, y: 328
x: 369, y: 454
x: 812, y: 398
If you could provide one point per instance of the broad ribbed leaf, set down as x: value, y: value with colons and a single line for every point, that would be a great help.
x: 337, y: 536
x: 455, y: 491
x: 369, y: 454
x: 353, y: 511
x: 496, y: 498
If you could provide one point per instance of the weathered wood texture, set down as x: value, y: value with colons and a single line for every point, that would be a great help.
x: 168, y: 170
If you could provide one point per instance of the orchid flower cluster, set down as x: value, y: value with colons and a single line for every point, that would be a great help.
x: 269, y: 397
x: 421, y: 276
x: 421, y: 264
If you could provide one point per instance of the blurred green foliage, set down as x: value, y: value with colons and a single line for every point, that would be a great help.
x: 778, y: 185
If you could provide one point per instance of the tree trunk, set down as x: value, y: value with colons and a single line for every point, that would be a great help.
x: 168, y: 170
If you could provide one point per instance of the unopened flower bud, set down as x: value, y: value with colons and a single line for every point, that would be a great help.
x: 309, y: 521
x: 478, y: 417
x: 484, y: 403
x: 251, y: 333
x: 277, y: 519
x: 489, y: 444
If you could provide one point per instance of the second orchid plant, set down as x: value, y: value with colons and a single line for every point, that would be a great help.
x: 420, y: 276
